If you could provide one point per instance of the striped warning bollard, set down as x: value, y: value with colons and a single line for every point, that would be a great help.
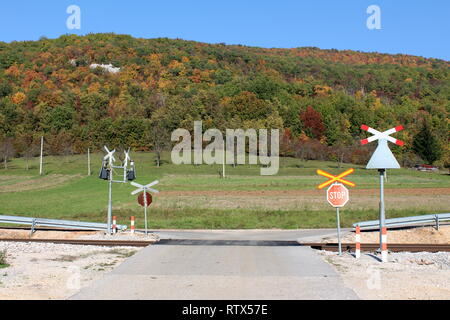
x: 132, y: 224
x: 357, y: 242
x: 384, y: 252
x: 114, y: 225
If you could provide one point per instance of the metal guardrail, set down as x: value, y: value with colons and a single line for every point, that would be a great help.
x: 54, y: 223
x: 434, y: 219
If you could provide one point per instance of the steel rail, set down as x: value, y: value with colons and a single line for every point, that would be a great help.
x: 87, y: 242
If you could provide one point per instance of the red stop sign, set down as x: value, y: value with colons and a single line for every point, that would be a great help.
x: 337, y: 195
x: 141, y: 198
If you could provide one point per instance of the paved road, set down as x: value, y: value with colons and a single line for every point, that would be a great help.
x: 214, y: 271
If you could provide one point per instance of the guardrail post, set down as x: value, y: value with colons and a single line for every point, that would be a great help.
x: 436, y: 217
x: 32, y: 227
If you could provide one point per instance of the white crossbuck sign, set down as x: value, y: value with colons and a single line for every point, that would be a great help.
x: 109, y: 156
x: 142, y: 188
x: 382, y: 135
x: 127, y: 157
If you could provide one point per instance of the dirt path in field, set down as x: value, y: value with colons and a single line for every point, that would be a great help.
x: 306, y: 192
x: 425, y: 199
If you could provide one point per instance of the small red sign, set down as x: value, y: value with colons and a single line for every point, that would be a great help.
x: 141, y: 198
x: 337, y: 195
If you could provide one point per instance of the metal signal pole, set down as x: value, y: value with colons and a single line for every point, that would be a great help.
x: 382, y: 213
x: 338, y: 230
x: 110, y: 200
x: 145, y: 210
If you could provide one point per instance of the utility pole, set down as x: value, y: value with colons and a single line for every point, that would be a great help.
x: 42, y: 152
x: 223, y: 160
x: 89, y: 162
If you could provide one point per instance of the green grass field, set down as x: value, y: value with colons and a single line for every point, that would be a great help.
x: 196, y: 197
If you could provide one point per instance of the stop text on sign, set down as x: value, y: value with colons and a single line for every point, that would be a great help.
x: 337, y: 195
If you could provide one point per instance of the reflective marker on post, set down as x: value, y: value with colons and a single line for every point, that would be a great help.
x: 357, y: 242
x: 114, y: 225
x: 132, y: 225
x: 384, y: 252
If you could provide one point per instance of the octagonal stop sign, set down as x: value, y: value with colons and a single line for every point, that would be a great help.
x: 337, y: 195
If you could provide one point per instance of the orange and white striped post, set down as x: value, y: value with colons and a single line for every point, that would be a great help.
x: 357, y: 242
x: 384, y: 252
x: 132, y: 225
x: 114, y: 225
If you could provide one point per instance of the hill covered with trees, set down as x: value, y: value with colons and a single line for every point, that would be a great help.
x: 318, y: 98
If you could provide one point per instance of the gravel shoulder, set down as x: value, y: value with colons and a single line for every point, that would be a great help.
x: 57, y: 271
x: 406, y: 276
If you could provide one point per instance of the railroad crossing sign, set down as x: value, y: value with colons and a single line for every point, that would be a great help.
x: 382, y: 158
x: 142, y: 188
x: 386, y: 135
x: 337, y: 178
x: 127, y: 157
x: 109, y: 156
x: 145, y: 203
x: 337, y: 195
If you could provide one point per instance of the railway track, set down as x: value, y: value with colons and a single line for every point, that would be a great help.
x: 368, y: 247
x: 88, y: 242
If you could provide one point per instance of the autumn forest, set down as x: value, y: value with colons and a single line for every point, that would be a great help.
x: 83, y: 92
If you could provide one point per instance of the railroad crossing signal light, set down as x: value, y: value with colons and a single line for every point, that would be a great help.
x: 337, y: 178
x: 104, y: 171
x: 131, y: 174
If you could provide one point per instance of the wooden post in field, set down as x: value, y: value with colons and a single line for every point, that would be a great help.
x: 223, y: 160
x: 42, y: 152
x: 89, y: 162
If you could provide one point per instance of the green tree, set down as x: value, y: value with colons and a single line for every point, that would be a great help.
x: 426, y: 145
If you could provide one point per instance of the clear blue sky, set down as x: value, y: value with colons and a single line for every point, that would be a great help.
x: 417, y: 27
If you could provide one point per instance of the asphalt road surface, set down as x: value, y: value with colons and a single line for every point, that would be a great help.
x: 234, y: 264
